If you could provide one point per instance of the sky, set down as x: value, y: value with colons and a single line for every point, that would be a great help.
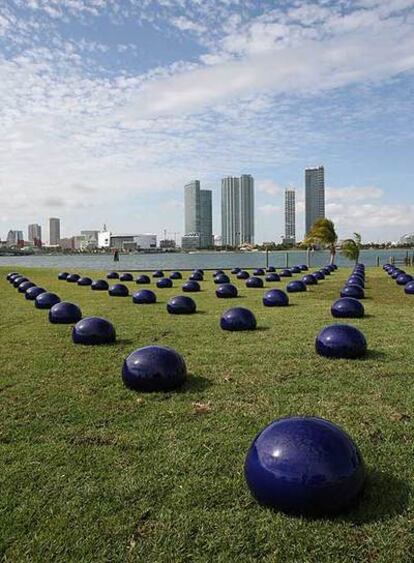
x: 108, y: 107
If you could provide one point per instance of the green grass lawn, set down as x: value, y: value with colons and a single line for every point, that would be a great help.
x: 90, y: 471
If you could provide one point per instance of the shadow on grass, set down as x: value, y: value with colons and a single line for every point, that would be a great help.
x: 385, y: 496
x: 262, y: 328
x: 122, y: 341
x: 374, y: 355
x: 194, y: 384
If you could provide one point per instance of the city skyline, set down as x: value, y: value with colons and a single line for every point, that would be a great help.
x: 124, y: 106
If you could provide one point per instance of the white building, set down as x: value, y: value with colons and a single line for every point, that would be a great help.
x: 127, y: 241
x: 237, y: 210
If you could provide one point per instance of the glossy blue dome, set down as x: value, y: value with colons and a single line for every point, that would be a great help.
x: 226, y: 291
x: 46, y: 300
x: 196, y: 276
x: 33, y: 292
x: 126, y: 277
x: 164, y: 283
x: 254, y: 281
x: 402, y: 279
x: 310, y: 279
x: 93, y: 331
x: 100, y: 285
x: 112, y: 276
x: 296, y: 286
x: 181, y: 305
x: 354, y: 291
x: 85, y: 281
x: 238, y: 319
x: 275, y: 298
x: 243, y: 275
x: 409, y: 288
x: 143, y: 279
x: 118, y: 290
x: 221, y: 278
x: 272, y: 277
x: 63, y: 275
x: 144, y: 297
x: 259, y: 272
x: 73, y: 278
x: 285, y: 273
x: 305, y: 466
x: 347, y: 308
x: 154, y: 368
x: 176, y: 276
x: 191, y: 287
x: 65, y: 313
x: 341, y: 341
x: 158, y: 274
x: 23, y: 287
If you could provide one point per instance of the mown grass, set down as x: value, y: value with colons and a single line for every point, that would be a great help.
x: 90, y: 471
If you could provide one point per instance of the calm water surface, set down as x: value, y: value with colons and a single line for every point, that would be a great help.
x: 189, y: 261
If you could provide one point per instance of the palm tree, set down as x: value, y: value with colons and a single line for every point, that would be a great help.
x: 323, y: 233
x: 351, y: 247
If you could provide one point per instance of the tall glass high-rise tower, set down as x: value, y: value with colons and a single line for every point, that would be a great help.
x: 314, y: 196
x: 198, y: 213
x: 237, y: 210
x: 290, y: 216
x: 54, y: 231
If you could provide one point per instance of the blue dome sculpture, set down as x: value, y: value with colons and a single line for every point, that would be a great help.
x: 275, y: 298
x: 259, y: 272
x: 46, y: 300
x: 112, y: 276
x: 176, y: 276
x: 409, y: 288
x: 85, y: 281
x: 271, y: 269
x: 20, y: 279
x: 402, y: 279
x: 191, y: 286
x: 126, y: 277
x: 154, y: 368
x: 63, y: 275
x: 23, y: 287
x: 310, y: 279
x: 296, y: 270
x: 13, y: 277
x: 118, y: 290
x: 319, y: 275
x: 285, y: 273
x: 354, y: 291
x: 396, y: 273
x: 144, y: 297
x: 341, y: 341
x: 100, y: 285
x: 272, y: 277
x: 305, y: 466
x: 218, y: 273
x: 226, y: 291
x: 243, y: 275
x: 254, y: 281
x: 33, y: 292
x: 73, y: 278
x: 158, y: 274
x: 347, y: 308
x: 65, y: 313
x: 164, y: 283
x: 304, y: 268
x: 326, y: 271
x: 356, y: 280
x: 93, y: 331
x: 238, y: 319
x: 196, y: 276
x: 10, y: 274
x: 143, y: 279
x: 221, y: 278
x: 181, y: 305
x: 235, y: 271
x: 296, y: 286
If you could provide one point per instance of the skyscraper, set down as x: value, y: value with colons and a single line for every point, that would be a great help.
x: 15, y: 238
x: 54, y: 231
x: 198, y: 214
x: 34, y: 233
x: 314, y: 196
x: 246, y: 209
x: 237, y: 210
x: 230, y: 211
x: 290, y: 216
x: 206, y: 219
